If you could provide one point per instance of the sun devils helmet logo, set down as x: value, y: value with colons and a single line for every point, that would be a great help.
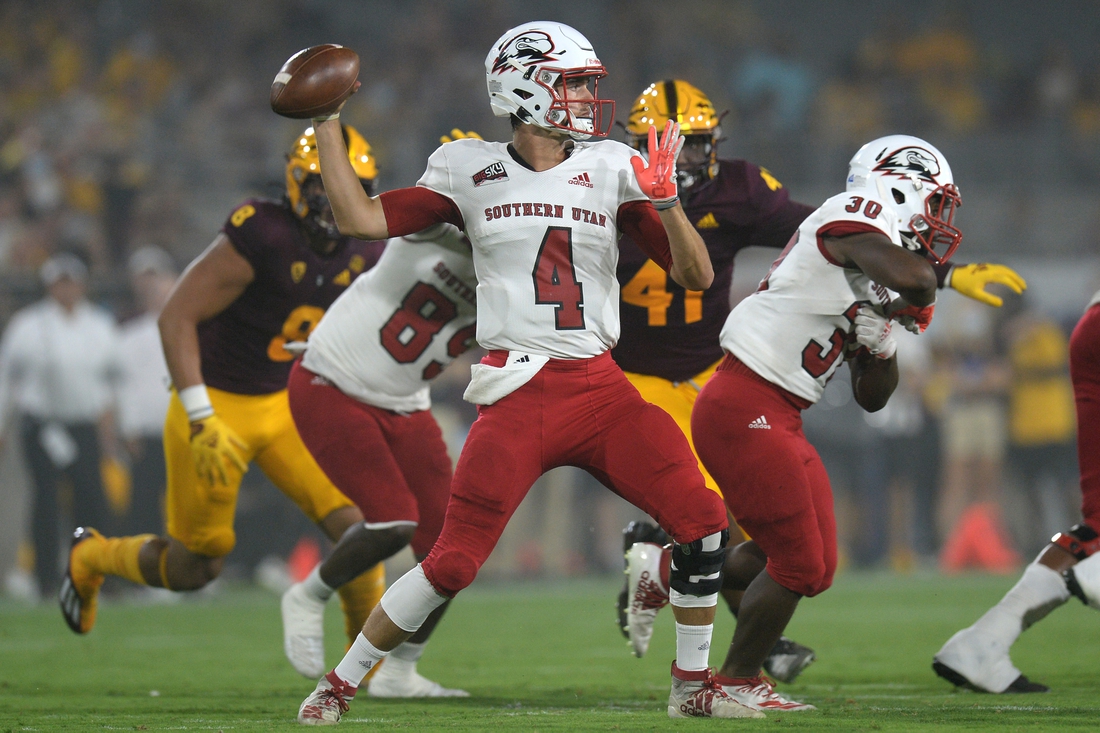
x: 529, y: 47
x: 911, y: 161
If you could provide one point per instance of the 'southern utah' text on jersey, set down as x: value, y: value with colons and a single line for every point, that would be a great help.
x: 545, y: 243
x: 792, y: 330
x: 400, y: 324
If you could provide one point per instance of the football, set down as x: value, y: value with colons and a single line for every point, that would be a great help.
x: 315, y: 81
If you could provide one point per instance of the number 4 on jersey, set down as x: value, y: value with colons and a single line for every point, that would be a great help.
x: 556, y: 280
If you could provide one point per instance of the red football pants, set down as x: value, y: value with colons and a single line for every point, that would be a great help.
x: 1084, y: 367
x: 577, y: 412
x: 394, y: 467
x: 748, y: 433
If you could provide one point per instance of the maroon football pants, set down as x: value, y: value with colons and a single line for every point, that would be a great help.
x: 748, y: 433
x: 394, y: 467
x: 1084, y: 367
x: 577, y: 412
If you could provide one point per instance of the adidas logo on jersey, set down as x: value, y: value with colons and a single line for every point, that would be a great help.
x: 760, y: 423
x: 581, y: 180
x: 707, y: 222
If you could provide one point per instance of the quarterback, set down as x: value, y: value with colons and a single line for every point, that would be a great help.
x: 670, y: 347
x: 977, y: 657
x: 265, y: 281
x: 543, y: 215
x: 828, y: 297
x: 361, y: 402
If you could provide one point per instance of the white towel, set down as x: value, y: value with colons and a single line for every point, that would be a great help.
x: 489, y: 383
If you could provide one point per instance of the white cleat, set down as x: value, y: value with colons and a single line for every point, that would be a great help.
x: 697, y: 695
x: 399, y: 683
x: 327, y: 703
x: 980, y: 662
x: 645, y: 594
x: 304, y: 631
x: 759, y: 693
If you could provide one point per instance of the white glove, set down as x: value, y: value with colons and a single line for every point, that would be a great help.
x: 873, y: 332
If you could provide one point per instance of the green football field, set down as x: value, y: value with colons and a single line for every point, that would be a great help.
x: 537, y: 657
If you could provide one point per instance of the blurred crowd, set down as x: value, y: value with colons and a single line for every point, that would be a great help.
x: 130, y: 127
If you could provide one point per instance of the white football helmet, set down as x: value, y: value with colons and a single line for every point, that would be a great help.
x: 912, y: 177
x: 525, y: 64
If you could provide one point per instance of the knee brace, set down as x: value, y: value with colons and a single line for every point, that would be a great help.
x: 697, y: 567
x: 1081, y: 541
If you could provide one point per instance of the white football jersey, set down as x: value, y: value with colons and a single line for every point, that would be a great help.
x: 545, y: 244
x: 792, y: 330
x: 399, y: 324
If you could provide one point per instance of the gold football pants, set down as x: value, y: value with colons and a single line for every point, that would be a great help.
x: 200, y: 515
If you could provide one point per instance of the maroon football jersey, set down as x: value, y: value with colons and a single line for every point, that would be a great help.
x: 242, y: 347
x: 672, y: 333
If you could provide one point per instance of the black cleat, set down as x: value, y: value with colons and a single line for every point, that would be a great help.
x: 1023, y: 684
x: 636, y: 532
x: 787, y: 659
x: 1020, y: 685
x: 633, y: 533
x: 79, y: 593
x: 953, y: 677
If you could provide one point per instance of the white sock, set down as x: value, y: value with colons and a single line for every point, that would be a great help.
x: 360, y: 659
x: 693, y: 647
x: 402, y: 660
x: 315, y: 587
x: 1038, y: 592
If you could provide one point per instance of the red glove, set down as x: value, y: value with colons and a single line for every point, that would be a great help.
x: 914, y: 319
x: 658, y: 179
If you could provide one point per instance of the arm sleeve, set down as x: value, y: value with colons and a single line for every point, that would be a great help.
x: 410, y: 210
x: 639, y: 221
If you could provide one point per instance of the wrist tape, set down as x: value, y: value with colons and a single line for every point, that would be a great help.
x: 196, y: 401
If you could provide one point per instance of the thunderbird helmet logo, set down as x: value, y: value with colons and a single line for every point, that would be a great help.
x: 529, y: 47
x: 910, y: 162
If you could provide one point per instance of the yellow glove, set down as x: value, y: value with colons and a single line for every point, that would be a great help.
x: 216, y: 450
x: 970, y: 280
x: 117, y: 484
x: 457, y: 134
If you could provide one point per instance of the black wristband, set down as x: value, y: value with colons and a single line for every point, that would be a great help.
x: 941, y: 269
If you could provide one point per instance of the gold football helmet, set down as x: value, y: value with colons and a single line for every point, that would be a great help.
x: 676, y: 100
x: 303, y: 161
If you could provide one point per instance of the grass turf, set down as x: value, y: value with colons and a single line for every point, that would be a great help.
x: 537, y: 657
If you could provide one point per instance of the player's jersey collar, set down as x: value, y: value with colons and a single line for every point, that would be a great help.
x: 519, y: 158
